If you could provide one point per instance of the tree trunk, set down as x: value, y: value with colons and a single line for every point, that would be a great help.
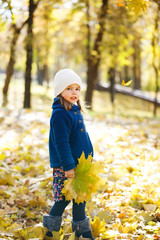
x: 112, y: 83
x: 46, y: 74
x: 11, y: 61
x: 94, y: 60
x: 10, y: 67
x: 9, y: 71
x: 29, y: 50
x: 89, y: 72
x: 127, y: 73
x: 47, y: 45
x: 137, y: 63
x: 155, y: 39
x: 40, y: 76
x: 40, y: 71
x: 91, y: 76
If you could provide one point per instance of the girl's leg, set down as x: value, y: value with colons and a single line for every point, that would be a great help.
x: 81, y: 223
x: 54, y: 219
x: 59, y: 207
x: 78, y: 211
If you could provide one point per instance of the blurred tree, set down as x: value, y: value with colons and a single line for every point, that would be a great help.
x: 43, y: 32
x: 136, y: 59
x: 40, y: 70
x: 112, y: 73
x: 88, y: 38
x: 137, y: 6
x: 9, y: 71
x: 29, y: 52
x: 61, y: 33
x: 16, y: 28
x: 95, y: 54
x: 29, y: 48
x: 156, y: 52
x: 116, y: 47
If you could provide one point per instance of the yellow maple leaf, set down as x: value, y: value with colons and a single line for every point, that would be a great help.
x: 106, y: 215
x: 2, y: 229
x: 141, y: 237
x: 36, y: 231
x: 149, y: 207
x: 38, y: 201
x: 137, y: 6
x: 6, y: 178
x: 31, y: 214
x: 126, y: 84
x: 110, y: 234
x: 56, y: 235
x: 2, y: 156
x: 72, y: 236
x: 14, y: 226
x: 98, y: 227
x: 86, y: 181
x: 5, y: 221
x: 120, y: 3
x: 67, y: 226
x: 127, y: 228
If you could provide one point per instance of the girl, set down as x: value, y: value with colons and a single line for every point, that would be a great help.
x: 67, y: 140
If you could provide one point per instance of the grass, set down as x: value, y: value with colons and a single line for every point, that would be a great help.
x: 124, y: 105
x: 42, y: 98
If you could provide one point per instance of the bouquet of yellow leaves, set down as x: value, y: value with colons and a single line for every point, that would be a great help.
x: 86, y: 181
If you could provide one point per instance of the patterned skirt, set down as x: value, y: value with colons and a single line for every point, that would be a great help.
x: 58, y: 183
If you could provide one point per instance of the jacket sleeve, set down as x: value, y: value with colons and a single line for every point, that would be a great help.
x: 61, y: 124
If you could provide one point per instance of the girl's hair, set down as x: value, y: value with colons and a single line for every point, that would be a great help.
x: 67, y: 105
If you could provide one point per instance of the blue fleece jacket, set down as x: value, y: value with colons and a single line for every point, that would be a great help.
x: 68, y: 137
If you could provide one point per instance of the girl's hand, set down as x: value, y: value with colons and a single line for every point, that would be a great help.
x: 70, y: 173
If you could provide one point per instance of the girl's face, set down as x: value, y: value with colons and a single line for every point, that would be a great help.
x: 71, y: 93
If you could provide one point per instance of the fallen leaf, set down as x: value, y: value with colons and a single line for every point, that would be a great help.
x: 150, y: 207
x: 98, y: 227
x: 36, y: 231
x: 106, y: 215
x: 72, y: 236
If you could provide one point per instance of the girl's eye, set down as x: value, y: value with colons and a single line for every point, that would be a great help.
x: 68, y: 88
x: 77, y: 89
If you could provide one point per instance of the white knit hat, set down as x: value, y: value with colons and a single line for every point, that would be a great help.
x: 64, y: 78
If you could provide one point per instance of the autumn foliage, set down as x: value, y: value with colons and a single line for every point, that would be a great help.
x: 136, y: 6
x: 86, y: 181
x: 127, y: 206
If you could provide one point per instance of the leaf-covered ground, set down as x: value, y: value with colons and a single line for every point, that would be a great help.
x: 126, y: 207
